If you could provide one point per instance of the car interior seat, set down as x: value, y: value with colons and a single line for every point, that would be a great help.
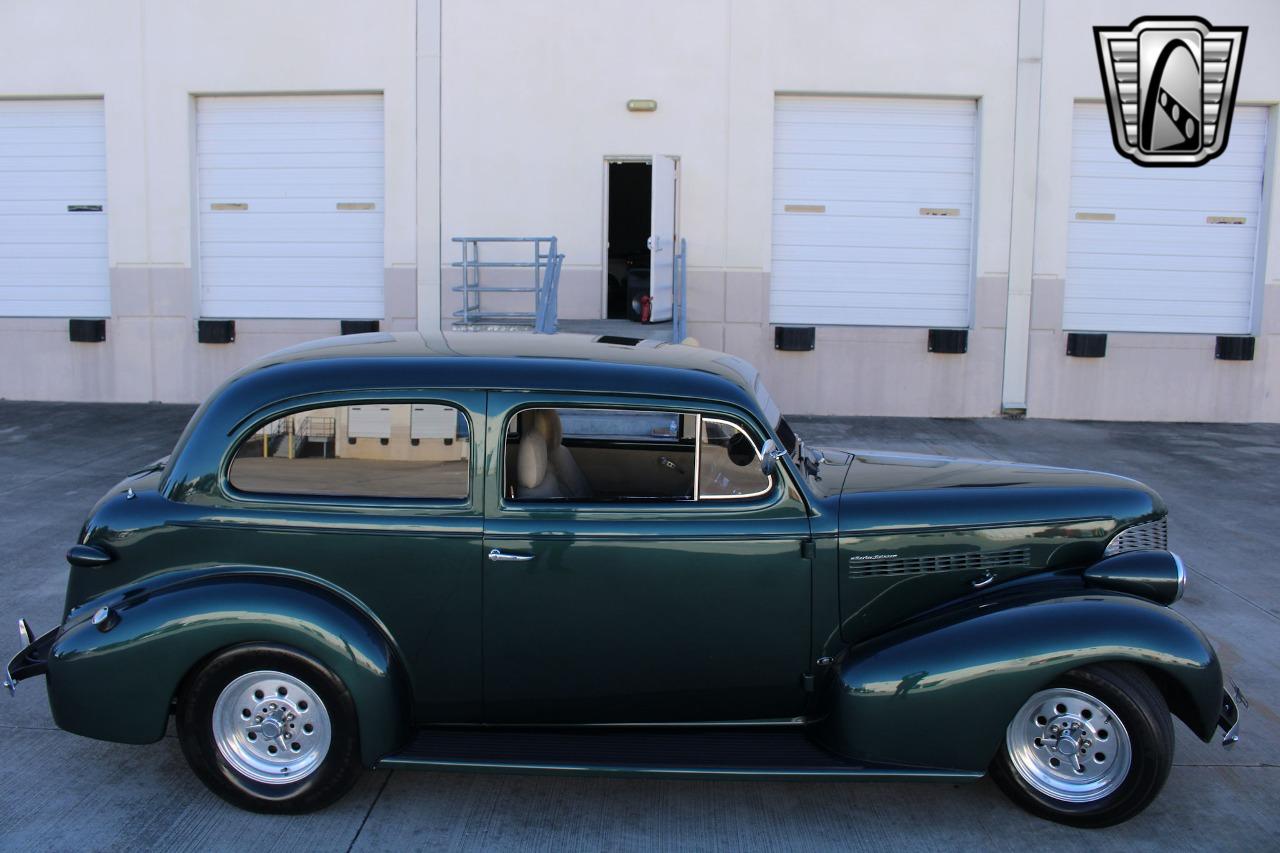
x: 544, y: 466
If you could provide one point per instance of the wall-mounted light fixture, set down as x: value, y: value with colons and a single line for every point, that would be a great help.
x: 642, y: 105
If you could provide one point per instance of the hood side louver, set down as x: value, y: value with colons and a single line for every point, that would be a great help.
x: 969, y: 561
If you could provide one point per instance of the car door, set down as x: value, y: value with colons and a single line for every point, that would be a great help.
x: 634, y: 610
x: 379, y: 495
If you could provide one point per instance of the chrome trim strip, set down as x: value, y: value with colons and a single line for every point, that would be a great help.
x: 1182, y: 575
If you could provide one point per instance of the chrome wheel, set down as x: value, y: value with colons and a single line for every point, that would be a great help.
x: 1069, y: 745
x: 271, y: 727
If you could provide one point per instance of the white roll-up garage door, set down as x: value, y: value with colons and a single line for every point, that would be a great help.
x: 53, y: 224
x: 1163, y: 250
x: 290, y: 203
x: 873, y: 211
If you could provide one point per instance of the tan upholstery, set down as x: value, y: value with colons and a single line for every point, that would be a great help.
x: 544, y: 467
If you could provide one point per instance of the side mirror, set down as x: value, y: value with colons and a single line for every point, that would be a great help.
x: 769, y: 456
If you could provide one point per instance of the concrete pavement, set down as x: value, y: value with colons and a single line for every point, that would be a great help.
x: 58, y: 791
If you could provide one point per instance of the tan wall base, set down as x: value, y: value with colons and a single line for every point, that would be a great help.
x: 151, y: 352
x: 1150, y: 377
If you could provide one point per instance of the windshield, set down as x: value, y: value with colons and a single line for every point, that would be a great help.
x: 774, y: 416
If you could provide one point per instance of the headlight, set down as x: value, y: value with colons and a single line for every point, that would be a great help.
x: 1156, y: 575
x: 1151, y: 536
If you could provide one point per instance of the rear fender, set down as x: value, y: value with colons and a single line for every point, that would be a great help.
x: 118, y: 684
x: 940, y: 692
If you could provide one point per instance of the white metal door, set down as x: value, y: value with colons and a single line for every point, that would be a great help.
x: 371, y: 421
x: 1163, y: 250
x: 290, y: 204
x: 429, y: 420
x: 662, y: 238
x: 873, y: 211
x: 53, y: 195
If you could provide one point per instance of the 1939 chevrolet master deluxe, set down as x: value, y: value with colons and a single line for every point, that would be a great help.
x: 605, y: 555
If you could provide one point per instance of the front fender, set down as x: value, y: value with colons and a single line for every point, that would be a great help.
x: 940, y: 692
x: 118, y: 684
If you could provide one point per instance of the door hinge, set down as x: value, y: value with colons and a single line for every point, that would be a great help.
x: 809, y: 682
x: 807, y: 549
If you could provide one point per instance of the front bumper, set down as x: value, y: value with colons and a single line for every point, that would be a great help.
x: 1233, y: 703
x: 33, y: 660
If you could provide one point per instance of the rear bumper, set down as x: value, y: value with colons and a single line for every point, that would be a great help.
x: 33, y: 660
x: 1233, y: 703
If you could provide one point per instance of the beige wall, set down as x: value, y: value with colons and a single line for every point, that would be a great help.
x: 1146, y: 376
x: 148, y: 59
x: 506, y: 130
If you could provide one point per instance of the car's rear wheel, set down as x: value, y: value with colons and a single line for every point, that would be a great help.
x: 269, y: 729
x: 1093, y: 749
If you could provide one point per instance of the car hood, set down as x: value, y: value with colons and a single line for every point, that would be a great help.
x: 901, y: 490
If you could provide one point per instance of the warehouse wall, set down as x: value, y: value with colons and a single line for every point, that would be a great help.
x: 1146, y: 376
x: 533, y: 109
x: 147, y: 59
x: 506, y: 130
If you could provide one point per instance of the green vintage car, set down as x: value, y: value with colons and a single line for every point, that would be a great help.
x: 604, y: 555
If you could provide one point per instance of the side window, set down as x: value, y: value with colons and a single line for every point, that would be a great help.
x: 728, y: 462
x: 624, y: 455
x: 600, y: 455
x: 371, y: 450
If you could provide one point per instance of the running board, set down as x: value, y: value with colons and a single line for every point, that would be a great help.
x: 664, y: 753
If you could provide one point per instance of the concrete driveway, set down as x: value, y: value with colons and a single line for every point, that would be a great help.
x: 58, y: 791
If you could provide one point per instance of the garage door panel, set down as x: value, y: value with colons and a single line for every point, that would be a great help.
x: 843, y: 254
x: 280, y: 179
x: 53, y: 261
x: 1117, y: 169
x: 291, y: 161
x: 862, y: 253
x: 1125, y: 262
x: 272, y: 249
x: 1164, y: 241
x: 79, y: 187
x: 327, y: 228
x: 1188, y: 323
x: 836, y: 208
x: 858, y: 316
x: 802, y: 184
x: 862, y: 164
x: 323, y: 160
x: 1098, y: 195
x: 1175, y: 217
x: 848, y: 231
x: 873, y: 147
x: 1160, y: 264
x: 1187, y: 294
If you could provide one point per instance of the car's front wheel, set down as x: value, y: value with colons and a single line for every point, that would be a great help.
x: 1093, y: 749
x: 269, y: 729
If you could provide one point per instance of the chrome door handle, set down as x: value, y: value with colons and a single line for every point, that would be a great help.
x: 986, y: 580
x: 500, y: 557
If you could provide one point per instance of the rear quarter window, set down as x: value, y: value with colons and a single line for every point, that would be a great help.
x: 416, y: 451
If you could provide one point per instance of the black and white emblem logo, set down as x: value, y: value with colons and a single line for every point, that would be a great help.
x: 1170, y: 85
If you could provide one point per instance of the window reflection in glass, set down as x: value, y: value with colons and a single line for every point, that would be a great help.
x: 370, y: 450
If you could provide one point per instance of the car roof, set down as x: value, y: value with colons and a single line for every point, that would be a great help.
x: 524, y: 361
x: 385, y: 361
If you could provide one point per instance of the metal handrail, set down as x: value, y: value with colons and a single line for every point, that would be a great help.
x: 679, y: 302
x: 545, y: 267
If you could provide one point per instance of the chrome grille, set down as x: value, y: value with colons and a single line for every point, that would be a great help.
x: 969, y: 561
x: 1152, y: 536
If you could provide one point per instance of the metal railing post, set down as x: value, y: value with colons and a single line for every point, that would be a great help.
x: 678, y: 315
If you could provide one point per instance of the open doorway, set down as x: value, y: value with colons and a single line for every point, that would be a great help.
x: 630, y: 190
